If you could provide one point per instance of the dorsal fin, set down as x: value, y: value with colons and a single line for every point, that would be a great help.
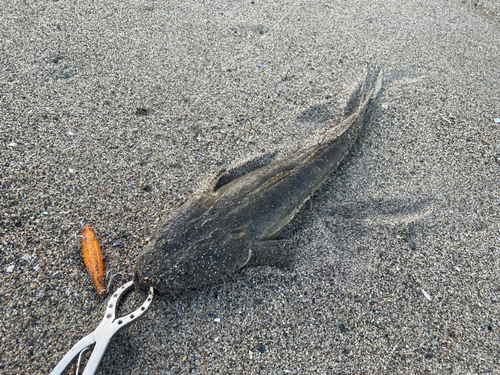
x: 240, y: 170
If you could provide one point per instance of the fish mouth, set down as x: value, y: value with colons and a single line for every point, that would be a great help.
x: 170, y: 278
x: 143, y: 276
x: 142, y: 282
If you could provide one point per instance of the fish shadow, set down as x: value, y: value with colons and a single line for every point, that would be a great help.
x: 320, y: 113
x: 383, y: 211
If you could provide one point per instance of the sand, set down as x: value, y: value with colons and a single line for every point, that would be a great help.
x: 112, y: 113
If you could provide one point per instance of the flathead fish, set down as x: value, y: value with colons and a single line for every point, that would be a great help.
x: 221, y: 230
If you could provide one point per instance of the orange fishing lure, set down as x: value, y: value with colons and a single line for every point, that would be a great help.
x: 93, y: 259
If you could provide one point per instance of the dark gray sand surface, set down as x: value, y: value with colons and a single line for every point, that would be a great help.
x: 112, y: 113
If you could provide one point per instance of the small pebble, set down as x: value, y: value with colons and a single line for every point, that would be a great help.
x: 217, y: 339
x: 261, y: 348
x: 426, y: 295
x: 497, y: 120
x: 13, y: 144
x: 413, y: 245
x: 117, y: 243
x: 37, y: 267
x: 217, y: 320
x: 26, y: 257
x: 10, y: 269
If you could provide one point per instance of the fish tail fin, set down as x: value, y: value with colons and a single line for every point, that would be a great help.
x: 370, y: 85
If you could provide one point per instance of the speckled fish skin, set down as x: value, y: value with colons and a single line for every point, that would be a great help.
x: 219, y: 231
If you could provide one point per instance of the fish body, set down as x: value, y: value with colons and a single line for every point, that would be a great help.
x: 221, y: 230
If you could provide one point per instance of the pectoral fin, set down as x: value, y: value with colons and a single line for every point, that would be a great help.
x: 271, y: 252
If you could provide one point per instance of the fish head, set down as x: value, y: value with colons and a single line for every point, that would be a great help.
x: 192, y: 261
